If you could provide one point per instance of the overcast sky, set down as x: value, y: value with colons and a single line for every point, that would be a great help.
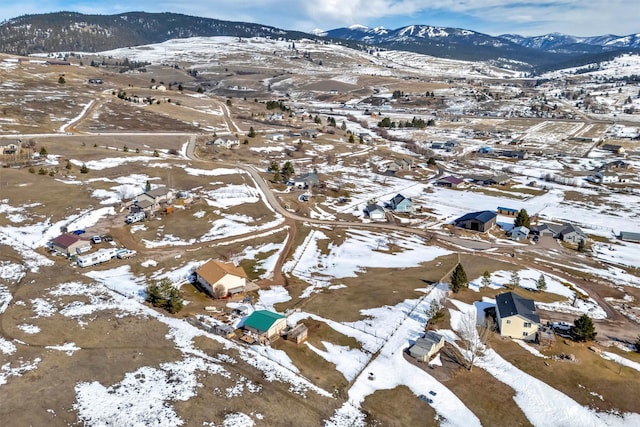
x: 532, y: 17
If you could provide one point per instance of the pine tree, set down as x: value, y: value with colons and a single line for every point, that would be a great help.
x: 147, y: 186
x: 522, y: 219
x: 174, y: 302
x: 84, y: 169
x: 43, y: 152
x: 459, y: 279
x: 541, y: 284
x: 581, y: 247
x: 583, y: 329
x: 486, y: 279
x: 252, y: 132
x: 638, y: 344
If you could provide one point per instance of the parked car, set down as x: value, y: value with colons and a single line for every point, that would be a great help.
x: 96, y: 240
x: 107, y: 238
x: 78, y: 232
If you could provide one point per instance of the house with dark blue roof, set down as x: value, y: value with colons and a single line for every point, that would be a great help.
x: 401, y: 204
x: 477, y: 221
x: 516, y: 316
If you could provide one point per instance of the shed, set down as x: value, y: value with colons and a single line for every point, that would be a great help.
x: 265, y: 323
x: 507, y: 211
x: 629, y: 236
x: 427, y: 346
x: 298, y: 333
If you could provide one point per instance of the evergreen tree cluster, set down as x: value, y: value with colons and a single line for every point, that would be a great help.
x: 162, y: 294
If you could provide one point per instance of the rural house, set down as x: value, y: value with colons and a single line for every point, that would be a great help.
x: 477, y: 221
x: 266, y: 324
x: 398, y: 165
x: 572, y: 234
x: 152, y: 200
x: 307, y: 180
x: 224, y: 142
x: 516, y: 316
x: 401, y: 204
x: 427, y: 346
x: 220, y: 279
x: 69, y: 244
x: 375, y: 212
x: 518, y: 233
x: 449, y: 182
x: 551, y: 230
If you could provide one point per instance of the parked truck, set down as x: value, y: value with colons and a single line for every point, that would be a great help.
x: 125, y: 253
x: 134, y: 217
x: 98, y: 257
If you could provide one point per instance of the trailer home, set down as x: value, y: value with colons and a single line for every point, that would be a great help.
x: 103, y: 255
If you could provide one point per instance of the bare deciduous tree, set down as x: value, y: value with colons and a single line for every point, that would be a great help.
x: 473, y: 337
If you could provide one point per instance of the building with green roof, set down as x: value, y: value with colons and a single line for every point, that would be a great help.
x: 265, y: 323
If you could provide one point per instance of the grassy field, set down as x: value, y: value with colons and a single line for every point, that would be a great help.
x: 589, y: 374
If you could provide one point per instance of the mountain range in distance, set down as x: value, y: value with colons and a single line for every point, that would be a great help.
x: 75, y: 32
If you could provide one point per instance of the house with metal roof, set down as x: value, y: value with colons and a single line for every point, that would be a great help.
x: 220, y: 279
x: 449, y: 182
x: 69, y: 244
x: 516, y: 316
x: 426, y: 347
x: 477, y: 221
x: 265, y: 323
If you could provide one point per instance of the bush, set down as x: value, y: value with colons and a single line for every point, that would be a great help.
x: 42, y: 171
x: 32, y: 170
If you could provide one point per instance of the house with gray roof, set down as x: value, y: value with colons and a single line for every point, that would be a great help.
x: 516, y: 316
x: 375, y: 212
x: 518, y: 233
x: 572, y: 234
x: 307, y: 180
x: 427, y: 346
